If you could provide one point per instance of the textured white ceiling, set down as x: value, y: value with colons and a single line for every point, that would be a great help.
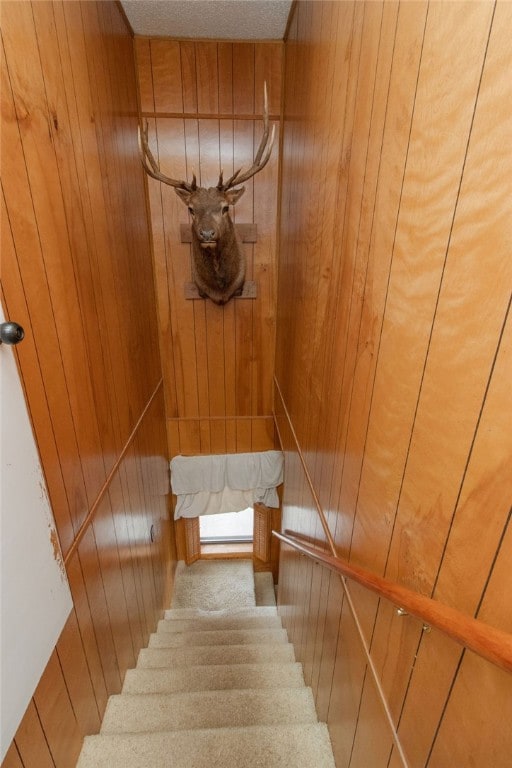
x: 224, y: 19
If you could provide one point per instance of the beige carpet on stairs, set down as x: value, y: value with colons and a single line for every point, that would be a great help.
x: 213, y: 585
x: 217, y: 687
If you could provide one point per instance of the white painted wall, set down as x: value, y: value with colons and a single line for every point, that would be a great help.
x: 34, y: 592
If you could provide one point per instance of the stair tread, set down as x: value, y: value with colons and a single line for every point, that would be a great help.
x: 198, y: 613
x: 219, y: 622
x: 217, y: 637
x: 215, y: 654
x: 264, y: 590
x: 284, y: 746
x: 135, y: 713
x: 214, y: 677
x: 214, y: 689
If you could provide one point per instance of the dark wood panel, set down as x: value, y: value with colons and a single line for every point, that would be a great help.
x: 78, y: 275
x: 74, y: 663
x: 12, y: 758
x: 58, y: 719
x: 31, y: 742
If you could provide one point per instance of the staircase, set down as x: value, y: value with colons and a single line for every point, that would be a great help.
x: 218, y: 689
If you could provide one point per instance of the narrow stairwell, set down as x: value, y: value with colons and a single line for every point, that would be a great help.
x: 214, y: 689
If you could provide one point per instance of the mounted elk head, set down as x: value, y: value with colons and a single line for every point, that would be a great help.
x: 218, y: 257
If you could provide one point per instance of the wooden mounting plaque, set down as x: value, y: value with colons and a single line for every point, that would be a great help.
x: 250, y: 291
x: 248, y: 233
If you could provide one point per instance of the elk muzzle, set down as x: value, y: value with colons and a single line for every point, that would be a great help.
x: 207, y: 237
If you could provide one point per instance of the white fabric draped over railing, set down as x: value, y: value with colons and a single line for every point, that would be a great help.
x: 231, y: 482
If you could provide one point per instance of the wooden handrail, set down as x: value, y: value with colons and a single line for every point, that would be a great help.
x: 490, y: 643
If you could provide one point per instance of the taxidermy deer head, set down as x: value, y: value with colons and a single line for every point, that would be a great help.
x: 218, y: 257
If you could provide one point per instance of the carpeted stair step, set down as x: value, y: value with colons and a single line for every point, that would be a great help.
x: 291, y: 746
x: 136, y: 713
x: 220, y: 622
x: 214, y: 677
x: 225, y: 584
x: 264, y: 590
x: 199, y: 613
x: 213, y: 654
x: 218, y: 687
x: 217, y: 637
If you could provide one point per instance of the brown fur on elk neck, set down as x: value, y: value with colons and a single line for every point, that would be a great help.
x: 217, y: 251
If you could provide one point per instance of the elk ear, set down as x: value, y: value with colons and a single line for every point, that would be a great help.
x: 233, y: 195
x: 183, y: 193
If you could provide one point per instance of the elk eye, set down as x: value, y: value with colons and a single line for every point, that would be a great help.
x: 225, y: 208
x: 191, y: 210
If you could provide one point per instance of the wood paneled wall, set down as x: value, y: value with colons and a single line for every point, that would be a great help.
x: 77, y: 274
x: 203, y: 102
x: 394, y: 363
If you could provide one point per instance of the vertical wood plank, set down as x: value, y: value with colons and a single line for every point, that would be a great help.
x: 189, y: 76
x: 30, y: 740
x: 57, y: 717
x: 75, y: 239
x: 73, y: 661
x: 166, y: 66
x: 142, y: 47
x: 217, y: 362
x: 398, y: 378
x: 370, y: 327
x: 12, y: 758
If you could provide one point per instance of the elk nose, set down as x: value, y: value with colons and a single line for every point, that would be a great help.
x: 207, y: 234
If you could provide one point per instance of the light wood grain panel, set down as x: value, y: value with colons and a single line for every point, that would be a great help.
x: 348, y: 680
x: 458, y: 739
x: 16, y: 306
x: 395, y: 390
x: 189, y: 75
x: 481, y: 693
x: 27, y: 248
x: 400, y: 104
x: 465, y: 567
x: 345, y: 472
x: 165, y: 68
x: 207, y: 77
x: 374, y: 751
x: 457, y: 396
x: 53, y: 228
x: 372, y: 234
x: 82, y: 98
x: 142, y: 49
x: 225, y: 68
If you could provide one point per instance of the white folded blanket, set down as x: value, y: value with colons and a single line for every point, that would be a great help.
x: 229, y: 482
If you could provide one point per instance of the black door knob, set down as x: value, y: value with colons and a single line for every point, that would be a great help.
x: 11, y: 333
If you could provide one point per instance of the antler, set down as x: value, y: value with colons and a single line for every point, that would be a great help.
x: 151, y: 166
x: 264, y: 150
